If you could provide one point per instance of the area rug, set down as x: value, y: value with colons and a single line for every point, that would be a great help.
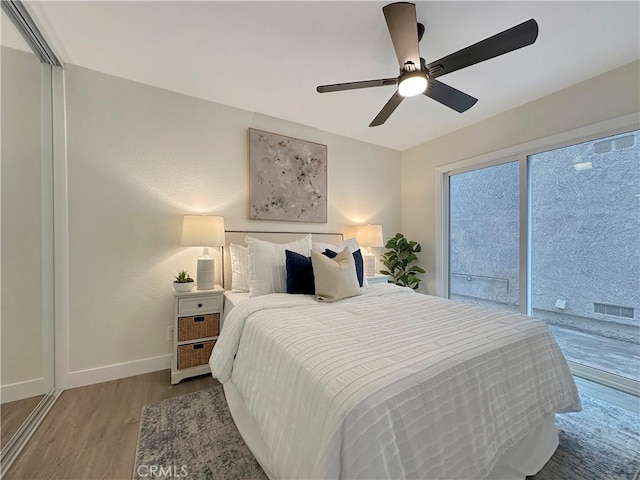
x: 602, y: 442
x: 193, y: 437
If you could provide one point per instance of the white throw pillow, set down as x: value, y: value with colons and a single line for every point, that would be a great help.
x: 267, y: 262
x: 335, y: 278
x: 350, y: 243
x: 239, y: 268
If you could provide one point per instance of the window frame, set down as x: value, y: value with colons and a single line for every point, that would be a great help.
x: 521, y: 154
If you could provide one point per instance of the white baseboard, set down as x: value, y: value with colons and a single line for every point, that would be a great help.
x: 90, y: 376
x: 20, y: 390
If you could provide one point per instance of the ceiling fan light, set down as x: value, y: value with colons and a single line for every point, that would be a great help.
x: 413, y: 85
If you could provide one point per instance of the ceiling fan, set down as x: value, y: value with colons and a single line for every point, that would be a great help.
x: 417, y: 76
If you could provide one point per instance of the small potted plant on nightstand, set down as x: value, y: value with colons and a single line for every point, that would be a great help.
x: 183, y: 282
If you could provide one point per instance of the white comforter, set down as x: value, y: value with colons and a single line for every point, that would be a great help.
x: 391, y: 384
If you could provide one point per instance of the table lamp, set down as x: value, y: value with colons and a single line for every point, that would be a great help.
x: 203, y: 231
x: 369, y: 236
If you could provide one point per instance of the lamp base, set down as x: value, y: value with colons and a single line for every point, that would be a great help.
x: 204, y: 279
x: 369, y: 261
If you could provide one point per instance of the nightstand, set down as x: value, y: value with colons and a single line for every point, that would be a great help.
x: 377, y: 279
x: 196, y: 326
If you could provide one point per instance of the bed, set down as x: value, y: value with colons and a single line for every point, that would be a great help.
x: 391, y: 384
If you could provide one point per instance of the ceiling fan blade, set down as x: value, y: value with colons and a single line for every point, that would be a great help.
x: 449, y: 96
x: 387, y: 110
x: 499, y: 44
x: 336, y: 87
x: 402, y: 25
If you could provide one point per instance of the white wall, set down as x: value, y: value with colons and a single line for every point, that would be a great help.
x: 604, y: 97
x: 139, y: 158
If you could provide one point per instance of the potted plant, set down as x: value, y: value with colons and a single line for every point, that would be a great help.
x: 183, y: 282
x: 399, y: 259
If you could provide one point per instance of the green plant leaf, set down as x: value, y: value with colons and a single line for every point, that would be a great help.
x: 399, y: 258
x: 416, y: 269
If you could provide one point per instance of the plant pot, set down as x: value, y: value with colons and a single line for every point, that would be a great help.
x: 183, y: 287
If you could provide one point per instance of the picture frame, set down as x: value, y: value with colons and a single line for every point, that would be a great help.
x: 287, y: 178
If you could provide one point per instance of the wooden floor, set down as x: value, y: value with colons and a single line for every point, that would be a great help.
x: 13, y: 414
x: 91, y: 432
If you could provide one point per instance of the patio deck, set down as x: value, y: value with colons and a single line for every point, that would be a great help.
x: 601, y: 345
x: 604, y: 353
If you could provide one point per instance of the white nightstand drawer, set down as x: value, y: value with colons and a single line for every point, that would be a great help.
x: 190, y: 306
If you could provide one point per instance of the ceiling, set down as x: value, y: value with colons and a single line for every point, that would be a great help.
x: 268, y: 57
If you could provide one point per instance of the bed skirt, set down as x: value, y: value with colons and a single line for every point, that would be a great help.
x: 525, y: 458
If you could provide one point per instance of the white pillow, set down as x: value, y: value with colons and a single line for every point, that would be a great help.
x: 335, y: 278
x: 267, y: 262
x: 350, y: 243
x: 239, y: 268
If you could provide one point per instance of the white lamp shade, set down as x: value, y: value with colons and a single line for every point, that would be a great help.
x: 202, y: 231
x: 369, y: 235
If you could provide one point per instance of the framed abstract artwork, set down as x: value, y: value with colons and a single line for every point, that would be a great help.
x: 287, y: 178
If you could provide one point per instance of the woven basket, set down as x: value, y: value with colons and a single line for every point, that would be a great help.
x: 194, y: 354
x: 199, y: 326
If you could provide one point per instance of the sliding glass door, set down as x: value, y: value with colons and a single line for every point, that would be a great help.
x: 570, y: 256
x: 27, y: 304
x: 585, y: 250
x: 484, y: 236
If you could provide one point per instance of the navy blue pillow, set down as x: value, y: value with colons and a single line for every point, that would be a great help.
x: 357, y: 257
x: 300, y: 277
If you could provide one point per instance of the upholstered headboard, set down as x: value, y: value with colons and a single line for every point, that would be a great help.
x: 238, y: 236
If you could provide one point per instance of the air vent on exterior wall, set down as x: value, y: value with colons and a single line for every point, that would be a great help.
x: 618, y: 144
x: 602, y: 147
x: 625, y: 142
x: 613, y: 310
